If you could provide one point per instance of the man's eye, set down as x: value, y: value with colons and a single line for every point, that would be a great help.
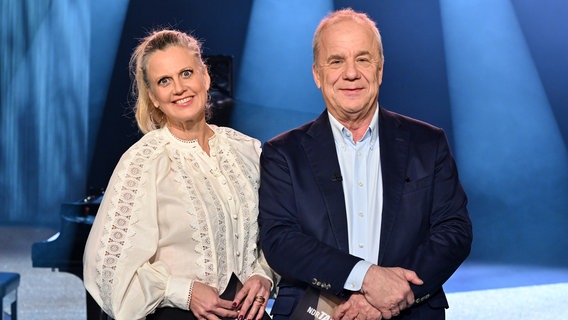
x: 335, y: 63
x: 187, y: 73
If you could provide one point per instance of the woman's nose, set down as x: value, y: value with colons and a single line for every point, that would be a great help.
x: 178, y: 87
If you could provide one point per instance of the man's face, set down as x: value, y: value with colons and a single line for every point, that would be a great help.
x: 348, y: 69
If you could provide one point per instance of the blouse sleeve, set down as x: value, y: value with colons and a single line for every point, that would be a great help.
x: 119, y: 271
x: 263, y: 269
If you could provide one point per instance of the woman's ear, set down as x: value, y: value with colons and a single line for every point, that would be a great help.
x: 153, y: 99
x: 207, y: 78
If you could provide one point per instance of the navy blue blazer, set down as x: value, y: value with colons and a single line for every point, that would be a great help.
x: 303, y: 225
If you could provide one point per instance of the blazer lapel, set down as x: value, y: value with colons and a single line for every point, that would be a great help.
x: 393, y: 141
x: 322, y: 157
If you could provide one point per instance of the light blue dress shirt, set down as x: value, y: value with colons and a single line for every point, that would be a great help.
x: 360, y: 164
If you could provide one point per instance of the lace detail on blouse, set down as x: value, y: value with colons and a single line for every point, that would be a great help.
x: 216, y: 197
x: 208, y: 260
x: 212, y: 240
x: 248, y: 210
x: 114, y: 239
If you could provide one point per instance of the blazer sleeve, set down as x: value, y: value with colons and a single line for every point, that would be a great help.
x: 446, y: 240
x: 296, y: 231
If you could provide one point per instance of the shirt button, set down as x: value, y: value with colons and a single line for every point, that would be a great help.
x: 360, y: 184
x: 238, y: 254
x: 358, y: 153
x: 235, y: 217
x: 361, y: 214
x: 361, y: 245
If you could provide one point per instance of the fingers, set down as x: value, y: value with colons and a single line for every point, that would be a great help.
x: 412, y: 277
x: 259, y: 301
x: 253, y: 304
x: 356, y: 307
x: 252, y: 298
x: 206, y: 304
x: 394, y: 293
x: 253, y: 308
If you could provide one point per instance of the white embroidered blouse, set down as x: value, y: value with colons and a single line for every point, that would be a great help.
x: 172, y: 215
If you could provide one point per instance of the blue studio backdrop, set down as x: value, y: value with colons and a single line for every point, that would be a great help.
x: 492, y: 73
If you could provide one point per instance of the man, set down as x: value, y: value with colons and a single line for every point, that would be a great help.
x: 361, y: 203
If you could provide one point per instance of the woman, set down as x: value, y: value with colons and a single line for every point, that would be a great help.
x: 179, y: 215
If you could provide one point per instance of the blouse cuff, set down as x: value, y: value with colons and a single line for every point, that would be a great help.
x: 178, y: 293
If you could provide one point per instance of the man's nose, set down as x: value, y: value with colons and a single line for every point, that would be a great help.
x: 351, y: 72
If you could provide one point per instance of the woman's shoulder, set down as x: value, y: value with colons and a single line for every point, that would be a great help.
x: 237, y: 139
x: 231, y: 133
x: 149, y: 146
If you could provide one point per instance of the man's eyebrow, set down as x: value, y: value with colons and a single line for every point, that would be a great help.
x: 340, y: 56
x: 335, y: 57
x: 363, y: 53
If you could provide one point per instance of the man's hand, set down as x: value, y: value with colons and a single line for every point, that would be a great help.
x: 388, y: 289
x: 356, y: 307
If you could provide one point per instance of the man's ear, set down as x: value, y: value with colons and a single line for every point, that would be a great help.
x: 315, y: 73
x: 380, y: 76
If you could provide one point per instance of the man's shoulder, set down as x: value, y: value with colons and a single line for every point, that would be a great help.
x: 317, y: 128
x: 406, y: 122
x: 294, y: 135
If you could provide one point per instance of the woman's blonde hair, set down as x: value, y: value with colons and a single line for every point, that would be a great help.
x: 147, y: 116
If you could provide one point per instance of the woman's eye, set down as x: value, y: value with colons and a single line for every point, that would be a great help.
x: 187, y: 73
x: 163, y: 81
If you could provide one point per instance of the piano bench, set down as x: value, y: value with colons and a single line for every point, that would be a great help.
x: 9, y: 283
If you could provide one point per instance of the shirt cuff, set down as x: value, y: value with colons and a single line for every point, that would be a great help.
x: 178, y: 293
x: 355, y: 280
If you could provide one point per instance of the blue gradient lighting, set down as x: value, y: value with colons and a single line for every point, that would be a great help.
x: 513, y: 161
x: 45, y: 110
x: 275, y: 88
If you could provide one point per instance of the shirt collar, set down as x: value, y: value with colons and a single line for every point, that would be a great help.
x: 342, y: 135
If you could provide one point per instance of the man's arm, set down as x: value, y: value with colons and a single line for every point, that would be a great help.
x: 442, y: 244
x: 295, y: 229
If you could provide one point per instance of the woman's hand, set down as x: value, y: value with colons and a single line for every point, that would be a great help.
x: 251, y: 299
x: 206, y: 304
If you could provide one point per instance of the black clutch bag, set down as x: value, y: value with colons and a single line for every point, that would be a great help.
x: 178, y: 314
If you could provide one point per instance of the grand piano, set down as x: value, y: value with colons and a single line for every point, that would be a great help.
x: 64, y: 250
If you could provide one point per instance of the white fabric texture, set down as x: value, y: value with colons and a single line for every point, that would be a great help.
x: 171, y: 215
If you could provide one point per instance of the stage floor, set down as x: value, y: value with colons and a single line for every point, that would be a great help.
x: 476, y: 291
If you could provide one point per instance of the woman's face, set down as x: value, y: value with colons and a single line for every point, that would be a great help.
x: 178, y: 85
